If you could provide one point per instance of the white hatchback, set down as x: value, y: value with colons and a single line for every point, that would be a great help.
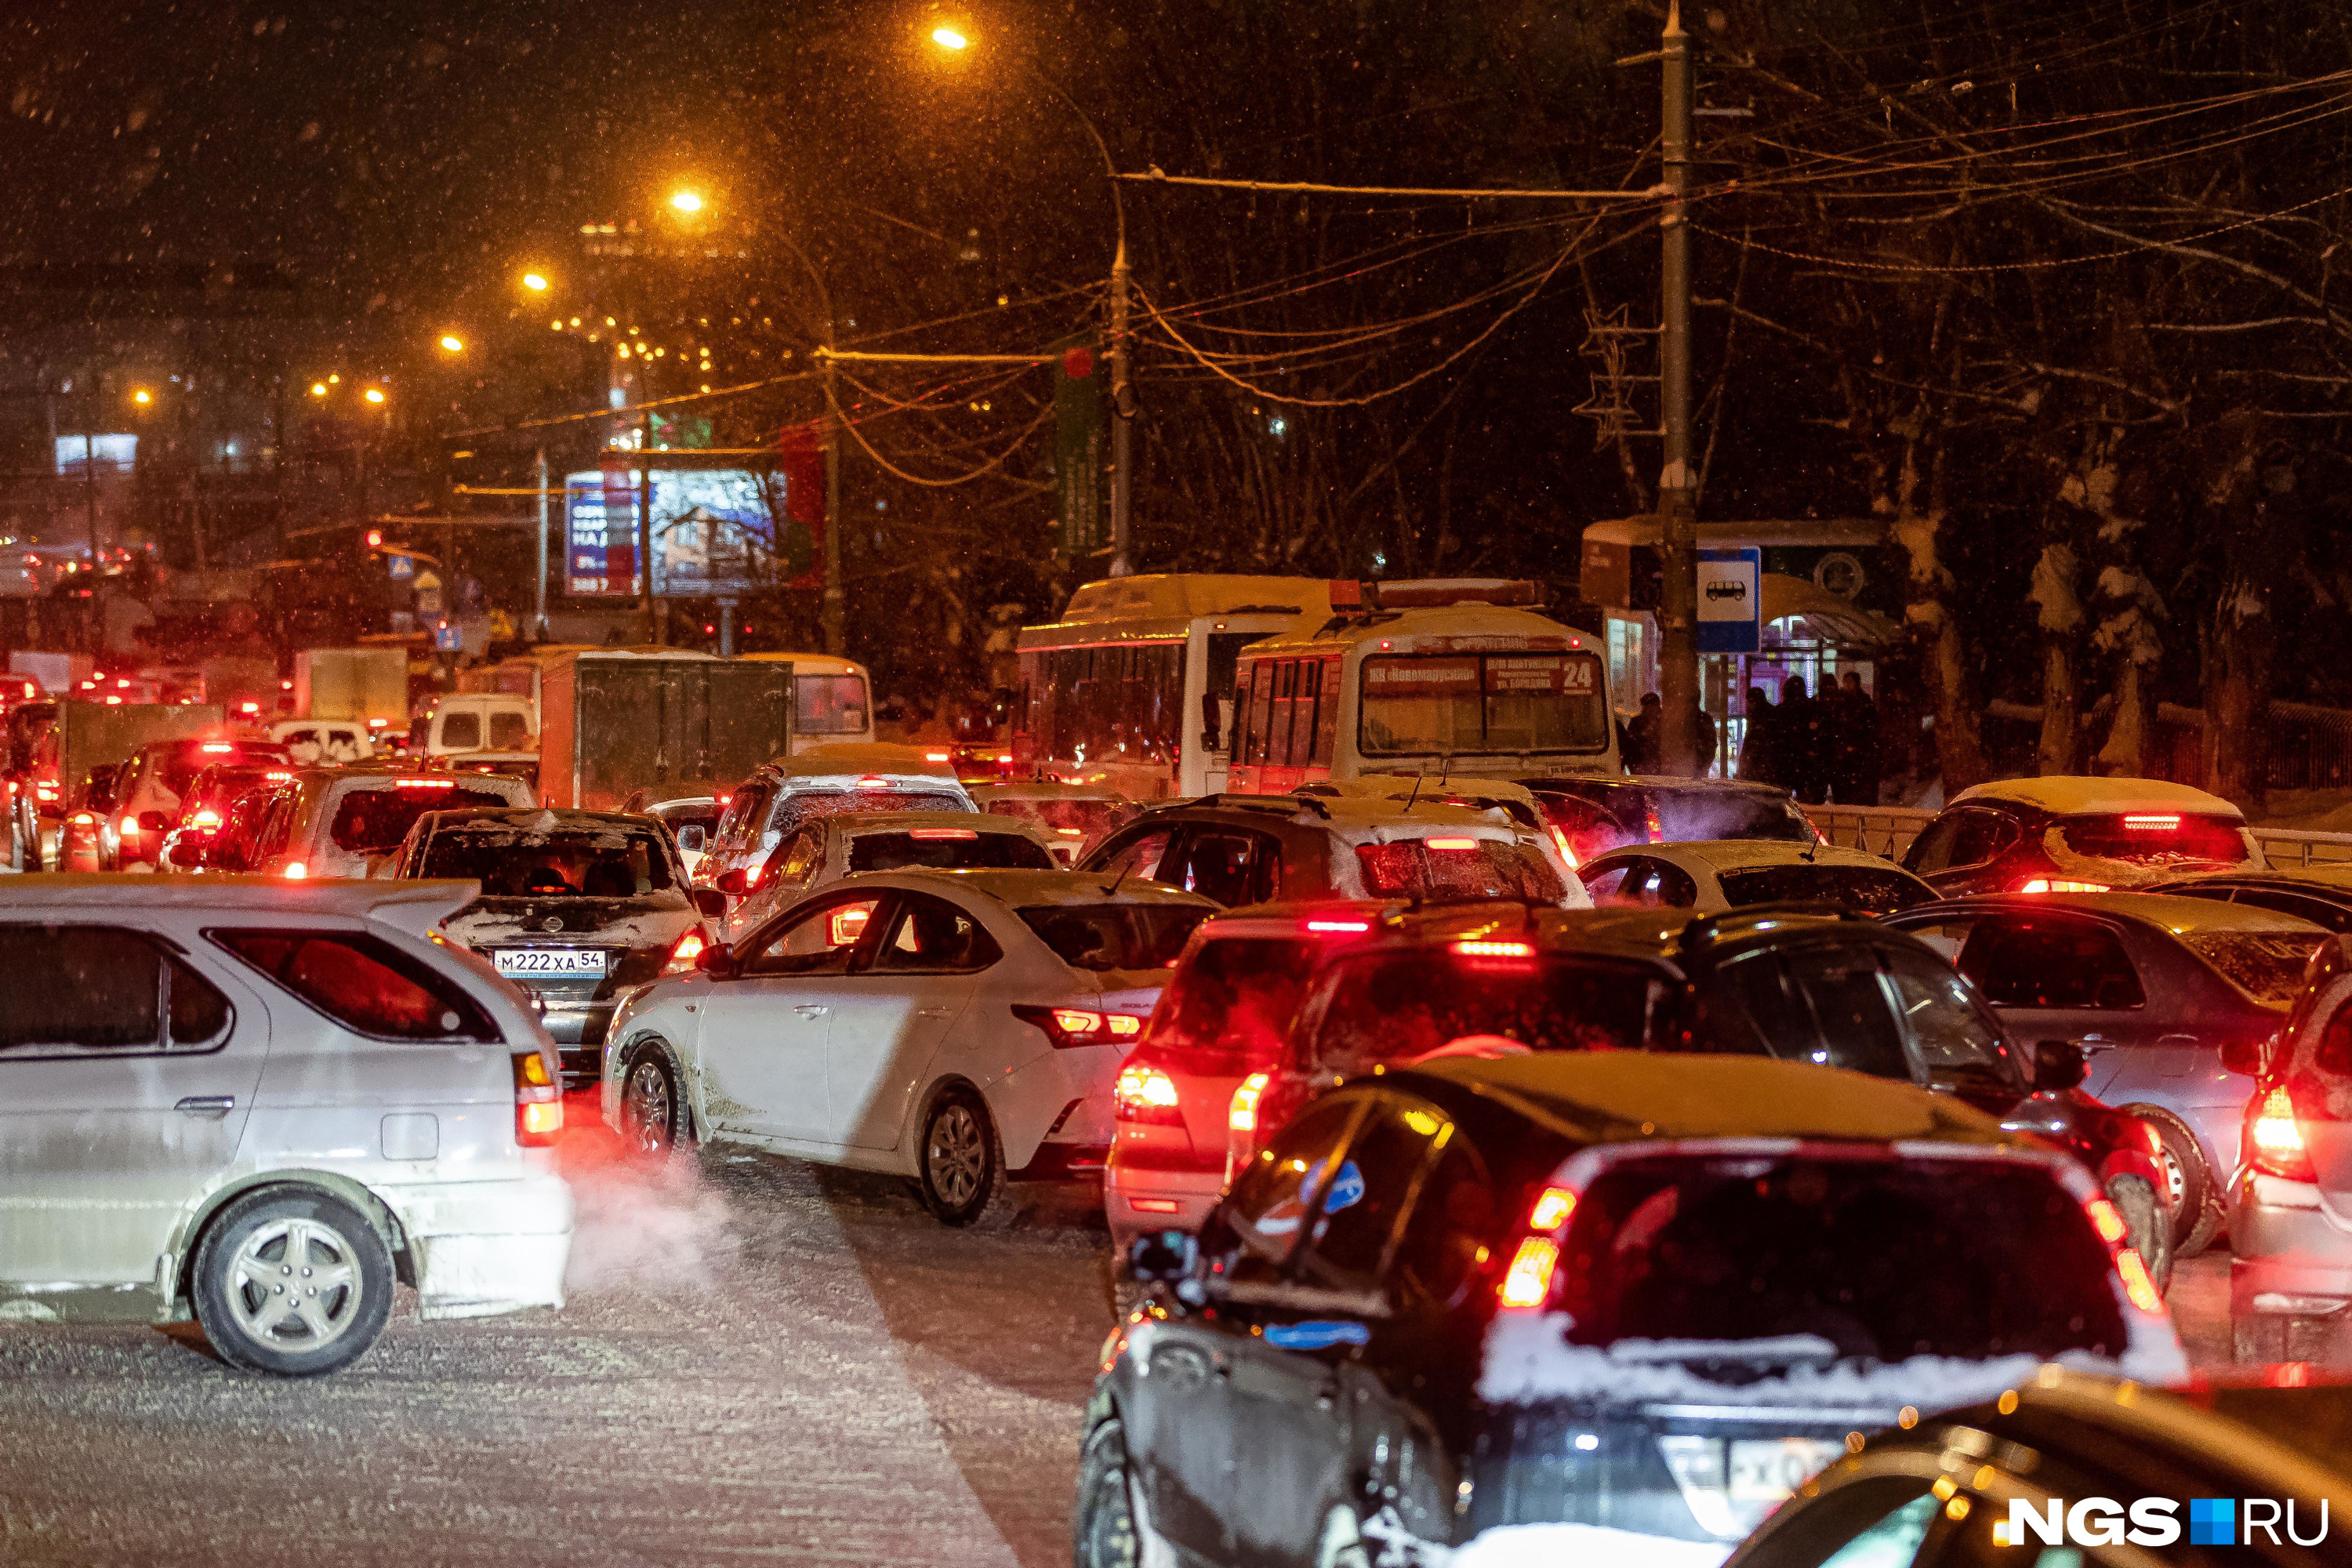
x: 824, y: 849
x: 959, y: 1027
x: 262, y: 1105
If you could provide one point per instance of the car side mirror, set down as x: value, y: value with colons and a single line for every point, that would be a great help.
x: 155, y: 822
x: 734, y: 884
x: 2059, y: 1064
x: 709, y: 901
x: 1162, y: 1257
x: 718, y: 961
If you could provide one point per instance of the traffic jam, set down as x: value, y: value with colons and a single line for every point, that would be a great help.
x: 1490, y: 1155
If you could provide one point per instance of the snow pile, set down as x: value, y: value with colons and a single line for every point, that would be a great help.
x: 1529, y: 1359
x: 645, y: 1224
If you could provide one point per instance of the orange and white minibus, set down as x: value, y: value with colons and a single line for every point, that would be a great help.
x: 1447, y: 677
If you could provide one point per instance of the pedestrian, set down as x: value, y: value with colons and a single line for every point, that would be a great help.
x: 1757, y: 762
x: 1858, y: 753
x: 1804, y: 768
x: 1702, y: 726
x: 1644, y: 735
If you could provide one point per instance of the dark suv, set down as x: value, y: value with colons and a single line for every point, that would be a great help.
x: 1594, y: 815
x: 2077, y: 835
x: 1793, y: 981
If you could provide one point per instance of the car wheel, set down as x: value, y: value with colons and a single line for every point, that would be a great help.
x: 2147, y: 1228
x: 1103, y: 1528
x: 962, y: 1163
x: 653, y: 1117
x: 292, y: 1282
x: 2188, y: 1185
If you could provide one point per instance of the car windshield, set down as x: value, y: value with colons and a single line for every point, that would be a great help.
x: 2266, y: 965
x: 1448, y: 868
x: 948, y: 849
x: 1113, y: 935
x: 2157, y: 838
x: 1482, y: 703
x: 530, y: 863
x: 1396, y: 1006
x: 1881, y: 1260
x: 373, y: 821
x: 1865, y: 887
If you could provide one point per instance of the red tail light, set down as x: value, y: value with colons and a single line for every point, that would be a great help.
x: 1145, y: 1094
x: 2060, y: 884
x: 682, y: 957
x: 935, y: 756
x: 425, y: 783
x: 295, y: 870
x: 2274, y: 1138
x: 2137, y: 1286
x: 206, y: 819
x: 1069, y: 1026
x: 942, y: 833
x: 1552, y: 1207
x: 1456, y: 844
x: 1528, y: 1283
x: 2151, y: 823
x: 1561, y: 839
x: 1241, y: 1115
x: 2106, y: 1221
x: 45, y: 790
x: 1339, y: 927
x: 1496, y: 949
x: 539, y: 1104
x: 1657, y: 829
x: 130, y: 825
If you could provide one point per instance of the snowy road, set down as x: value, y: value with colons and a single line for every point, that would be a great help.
x: 760, y: 1361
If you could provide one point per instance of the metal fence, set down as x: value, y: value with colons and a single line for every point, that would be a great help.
x: 1888, y: 830
x: 2305, y: 746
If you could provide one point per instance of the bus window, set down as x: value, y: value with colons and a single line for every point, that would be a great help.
x: 1277, y: 735
x: 1494, y: 702
x: 1327, y: 711
x: 828, y: 705
x: 1261, y: 709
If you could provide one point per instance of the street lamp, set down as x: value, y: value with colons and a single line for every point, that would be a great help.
x: 451, y: 343
x: 318, y: 389
x: 686, y: 202
x: 535, y: 282
x: 374, y: 394
x: 1122, y: 392
x: 143, y: 397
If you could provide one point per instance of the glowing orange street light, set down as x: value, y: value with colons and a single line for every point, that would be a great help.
x: 686, y: 202
x: 948, y: 38
x: 318, y: 389
x: 452, y: 344
x: 374, y: 394
x: 535, y: 282
x: 143, y: 397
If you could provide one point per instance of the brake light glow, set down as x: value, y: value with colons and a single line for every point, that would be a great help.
x: 1561, y: 839
x: 872, y: 781
x: 1076, y: 1021
x: 1552, y: 1208
x: 425, y: 783
x: 216, y: 748
x: 538, y: 1105
x: 1145, y: 1094
x: 1004, y: 757
x: 2136, y: 1284
x: 2275, y: 1139
x: 46, y: 790
x: 1123, y: 1023
x: 2151, y: 823
x: 205, y: 818
x: 2060, y: 884
x: 935, y: 756
x: 1152, y: 1205
x: 942, y: 833
x: 682, y: 956
x: 1071, y: 832
x: 248, y: 707
x: 1451, y: 843
x: 1496, y: 949
x: 295, y: 870
x: 847, y: 925
x: 1529, y: 1280
x: 1241, y: 1115
x: 1339, y: 927
x: 2105, y: 1221
x: 274, y: 776
x: 1657, y: 829
x: 379, y: 724
x: 114, y: 701
x: 130, y: 825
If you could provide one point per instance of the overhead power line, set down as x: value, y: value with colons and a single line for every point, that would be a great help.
x: 1155, y: 176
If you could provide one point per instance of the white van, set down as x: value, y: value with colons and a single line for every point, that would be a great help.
x: 467, y: 721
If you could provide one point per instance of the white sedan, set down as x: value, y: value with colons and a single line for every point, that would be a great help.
x: 1714, y: 875
x: 824, y: 849
x: 959, y: 1027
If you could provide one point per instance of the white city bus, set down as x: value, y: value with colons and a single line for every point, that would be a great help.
x: 1441, y: 677
x: 833, y: 698
x: 1133, y: 686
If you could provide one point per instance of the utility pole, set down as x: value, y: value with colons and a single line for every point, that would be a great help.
x: 1122, y: 407
x: 1678, y: 690
x: 646, y: 601
x: 833, y: 610
x: 539, y: 617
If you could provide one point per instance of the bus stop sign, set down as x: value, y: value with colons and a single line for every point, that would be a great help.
x: 1730, y: 600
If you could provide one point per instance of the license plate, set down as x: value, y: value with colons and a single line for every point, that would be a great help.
x: 550, y: 962
x: 1769, y: 1470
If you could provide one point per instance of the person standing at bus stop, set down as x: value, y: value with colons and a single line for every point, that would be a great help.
x: 1804, y: 769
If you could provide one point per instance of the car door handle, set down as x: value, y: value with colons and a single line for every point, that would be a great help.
x: 811, y: 1009
x: 206, y: 1105
x: 935, y: 1012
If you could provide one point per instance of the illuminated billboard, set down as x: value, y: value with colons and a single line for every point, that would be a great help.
x: 714, y: 531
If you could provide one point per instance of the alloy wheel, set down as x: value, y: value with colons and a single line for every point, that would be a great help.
x: 956, y: 1155
x: 294, y: 1284
x: 646, y: 1108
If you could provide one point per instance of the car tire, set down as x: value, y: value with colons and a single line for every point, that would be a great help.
x: 2147, y: 1226
x: 2189, y: 1181
x: 654, y: 1119
x: 1103, y: 1528
x: 960, y: 1162
x: 292, y: 1281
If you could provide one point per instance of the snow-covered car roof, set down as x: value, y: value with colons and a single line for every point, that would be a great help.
x: 413, y: 906
x: 533, y: 819
x: 1619, y: 1097
x: 2335, y: 878
x: 850, y: 824
x: 1407, y: 786
x: 2086, y: 796
x: 853, y: 759
x: 2178, y: 915
x: 665, y: 808
x: 1026, y: 889
x: 1046, y: 789
x: 1356, y: 821
x: 1739, y: 854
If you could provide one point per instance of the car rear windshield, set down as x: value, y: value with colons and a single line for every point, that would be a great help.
x: 1864, y: 888
x: 216, y: 786
x: 948, y: 849
x: 1883, y: 1259
x: 1700, y: 814
x: 1440, y: 868
x: 2156, y: 836
x: 1396, y: 1006
x: 1115, y: 936
x: 524, y: 863
x: 374, y: 819
x: 1237, y: 994
x: 793, y: 807
x: 2266, y: 965
x: 178, y: 767
x: 1075, y: 822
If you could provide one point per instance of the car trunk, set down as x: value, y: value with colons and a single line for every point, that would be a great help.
x: 573, y: 953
